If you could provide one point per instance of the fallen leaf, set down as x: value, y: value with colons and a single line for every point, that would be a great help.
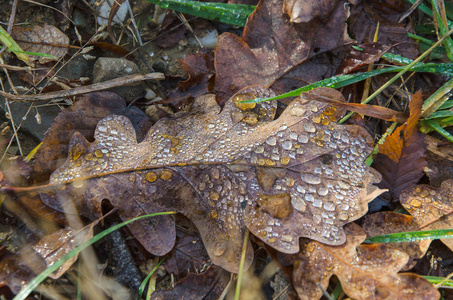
x: 208, y: 285
x: 431, y: 207
x: 200, y: 68
x: 47, y: 39
x: 82, y: 117
x: 367, y: 14
x: 298, y: 176
x: 387, y: 222
x: 401, y: 158
x: 439, y: 160
x: 365, y: 271
x: 271, y: 46
x: 171, y: 31
x: 188, y: 255
x: 358, y: 59
x: 18, y: 269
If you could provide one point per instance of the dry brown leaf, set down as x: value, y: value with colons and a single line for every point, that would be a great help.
x: 271, y: 46
x: 47, y: 39
x: 82, y: 117
x: 365, y: 271
x: 431, y: 208
x: 19, y: 268
x: 439, y: 160
x: 298, y: 176
x: 401, y: 158
x: 387, y: 222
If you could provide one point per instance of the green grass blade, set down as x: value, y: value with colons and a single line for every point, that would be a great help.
x: 440, y: 114
x: 412, y: 236
x: 443, y: 27
x: 237, y: 293
x: 344, y: 80
x: 34, y: 53
x: 401, y: 73
x: 435, y: 126
x: 12, y: 46
x: 44, y: 274
x: 143, y: 285
x: 436, y: 100
x: 234, y: 14
x: 422, y: 7
x: 447, y: 104
x: 437, y: 280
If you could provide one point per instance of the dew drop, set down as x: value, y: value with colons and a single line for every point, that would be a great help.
x: 287, y: 145
x: 272, y: 141
x: 303, y: 139
x: 323, y: 191
x: 309, y: 127
x: 298, y: 203
x: 311, y: 179
x: 329, y: 206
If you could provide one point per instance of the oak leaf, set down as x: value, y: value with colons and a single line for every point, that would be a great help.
x: 47, y: 39
x: 365, y: 271
x: 387, y: 222
x: 401, y: 158
x: 301, y: 175
x: 431, y: 207
x: 271, y: 46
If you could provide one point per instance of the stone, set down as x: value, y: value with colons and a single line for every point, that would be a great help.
x: 107, y: 68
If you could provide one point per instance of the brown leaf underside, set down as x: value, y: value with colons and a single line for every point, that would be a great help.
x: 401, y: 158
x: 224, y: 171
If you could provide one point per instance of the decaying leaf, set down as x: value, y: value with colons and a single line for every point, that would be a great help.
x: 431, y: 208
x: 82, y: 117
x: 392, y: 31
x: 365, y: 271
x: 19, y: 268
x: 439, y: 160
x: 271, y: 46
x: 387, y: 222
x: 401, y: 158
x: 298, y: 176
x: 207, y: 285
x: 47, y: 39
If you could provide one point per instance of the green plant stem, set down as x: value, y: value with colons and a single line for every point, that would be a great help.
x: 401, y: 73
x: 411, y: 236
x: 241, y: 266
x: 436, y: 99
x: 49, y: 270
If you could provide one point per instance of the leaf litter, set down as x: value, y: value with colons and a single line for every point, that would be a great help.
x: 282, y: 175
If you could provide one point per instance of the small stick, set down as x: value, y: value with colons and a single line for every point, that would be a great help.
x: 126, y: 80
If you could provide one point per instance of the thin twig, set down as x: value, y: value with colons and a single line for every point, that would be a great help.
x: 13, y: 125
x: 127, y: 80
x: 12, y: 17
x: 129, y: 8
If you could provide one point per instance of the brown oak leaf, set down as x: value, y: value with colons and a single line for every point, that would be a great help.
x: 271, y: 46
x: 387, y: 222
x: 431, y: 207
x: 365, y: 271
x: 301, y: 175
